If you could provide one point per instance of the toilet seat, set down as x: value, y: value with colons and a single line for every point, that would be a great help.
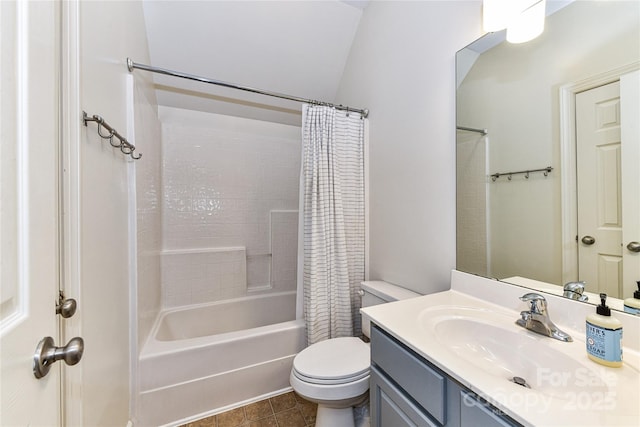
x: 332, y: 362
x: 337, y: 381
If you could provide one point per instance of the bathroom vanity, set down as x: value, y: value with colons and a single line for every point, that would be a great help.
x: 457, y: 358
x: 407, y: 390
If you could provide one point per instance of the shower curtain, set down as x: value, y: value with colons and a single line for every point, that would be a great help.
x: 332, y: 216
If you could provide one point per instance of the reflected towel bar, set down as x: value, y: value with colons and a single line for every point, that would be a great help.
x: 481, y: 131
x: 526, y: 173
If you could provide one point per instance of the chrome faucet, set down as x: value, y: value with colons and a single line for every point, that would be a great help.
x: 537, y: 319
x: 575, y: 290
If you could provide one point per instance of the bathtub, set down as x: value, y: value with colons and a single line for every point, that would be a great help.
x: 203, y: 359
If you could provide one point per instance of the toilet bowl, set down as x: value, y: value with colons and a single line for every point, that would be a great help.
x: 335, y: 373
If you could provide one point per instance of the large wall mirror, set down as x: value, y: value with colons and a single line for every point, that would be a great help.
x: 551, y: 193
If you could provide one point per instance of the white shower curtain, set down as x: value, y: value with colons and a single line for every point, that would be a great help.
x: 333, y: 221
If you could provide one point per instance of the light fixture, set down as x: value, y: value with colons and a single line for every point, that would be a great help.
x: 528, y: 24
x: 523, y: 19
x: 496, y: 14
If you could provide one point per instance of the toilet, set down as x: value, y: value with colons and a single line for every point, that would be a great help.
x: 335, y: 373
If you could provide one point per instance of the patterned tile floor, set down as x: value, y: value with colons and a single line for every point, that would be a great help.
x: 285, y: 410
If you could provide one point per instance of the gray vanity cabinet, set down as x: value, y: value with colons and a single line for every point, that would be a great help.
x: 406, y: 390
x: 391, y: 407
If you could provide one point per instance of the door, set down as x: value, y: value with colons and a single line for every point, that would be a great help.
x: 630, y: 111
x: 64, y: 226
x: 28, y: 209
x: 599, y: 175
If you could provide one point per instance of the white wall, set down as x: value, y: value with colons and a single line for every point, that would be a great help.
x: 513, y: 90
x: 402, y: 67
x: 292, y: 47
x: 110, y: 31
x: 230, y: 200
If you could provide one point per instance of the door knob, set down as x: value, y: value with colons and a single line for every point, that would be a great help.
x: 588, y: 240
x: 633, y: 247
x: 66, y: 307
x: 47, y: 354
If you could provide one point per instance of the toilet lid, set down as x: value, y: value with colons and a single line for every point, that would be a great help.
x: 336, y: 360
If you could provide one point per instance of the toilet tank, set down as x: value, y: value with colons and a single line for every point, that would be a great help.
x: 376, y: 292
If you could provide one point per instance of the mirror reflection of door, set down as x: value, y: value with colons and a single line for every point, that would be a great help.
x: 601, y: 150
x: 598, y: 148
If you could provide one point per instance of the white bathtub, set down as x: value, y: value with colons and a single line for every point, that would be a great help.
x: 202, y: 359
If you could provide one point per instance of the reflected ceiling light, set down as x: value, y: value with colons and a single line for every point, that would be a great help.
x: 528, y: 24
x: 523, y: 19
x: 496, y: 14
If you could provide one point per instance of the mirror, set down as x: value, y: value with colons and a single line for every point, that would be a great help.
x: 524, y: 190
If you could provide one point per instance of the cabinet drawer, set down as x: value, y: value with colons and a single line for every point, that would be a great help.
x: 425, y: 385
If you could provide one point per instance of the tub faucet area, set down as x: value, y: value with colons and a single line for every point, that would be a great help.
x: 537, y: 318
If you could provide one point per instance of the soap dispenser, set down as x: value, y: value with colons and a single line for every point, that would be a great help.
x: 604, y: 336
x: 632, y: 305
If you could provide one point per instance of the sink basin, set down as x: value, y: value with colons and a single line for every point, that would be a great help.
x: 494, y: 344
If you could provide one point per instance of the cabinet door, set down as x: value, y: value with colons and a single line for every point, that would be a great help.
x: 414, y: 375
x: 473, y: 412
x: 390, y: 408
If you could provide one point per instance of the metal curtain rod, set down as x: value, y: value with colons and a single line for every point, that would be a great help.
x: 132, y: 65
x: 482, y: 131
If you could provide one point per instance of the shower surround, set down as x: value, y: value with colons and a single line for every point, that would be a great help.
x: 229, y: 207
x: 229, y: 200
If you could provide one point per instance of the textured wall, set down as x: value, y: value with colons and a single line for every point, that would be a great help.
x: 229, y: 185
x: 471, y: 203
x: 147, y: 135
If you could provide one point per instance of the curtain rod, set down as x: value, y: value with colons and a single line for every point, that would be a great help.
x: 132, y: 65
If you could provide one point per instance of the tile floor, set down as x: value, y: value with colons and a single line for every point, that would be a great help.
x: 285, y: 410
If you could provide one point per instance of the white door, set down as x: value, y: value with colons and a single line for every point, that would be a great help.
x: 91, y: 217
x: 598, y: 151
x: 630, y: 112
x: 28, y: 209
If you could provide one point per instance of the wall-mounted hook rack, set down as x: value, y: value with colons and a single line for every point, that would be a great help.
x: 545, y: 172
x: 125, y: 146
x: 476, y: 130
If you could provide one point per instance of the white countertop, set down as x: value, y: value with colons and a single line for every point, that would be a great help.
x: 618, y: 406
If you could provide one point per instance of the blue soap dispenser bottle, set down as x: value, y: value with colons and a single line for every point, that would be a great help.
x: 632, y: 304
x: 604, y: 336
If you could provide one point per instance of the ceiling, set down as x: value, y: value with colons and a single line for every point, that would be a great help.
x: 297, y: 48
